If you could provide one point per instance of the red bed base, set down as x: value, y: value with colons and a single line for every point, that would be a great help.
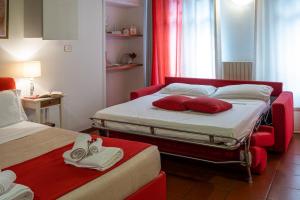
x: 156, y: 189
x: 59, y: 178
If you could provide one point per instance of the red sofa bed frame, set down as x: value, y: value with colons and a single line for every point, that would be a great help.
x: 276, y: 137
x: 155, y: 189
x: 282, y: 107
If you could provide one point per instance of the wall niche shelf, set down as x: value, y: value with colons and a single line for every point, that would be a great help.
x: 122, y: 78
x: 110, y: 35
x: 122, y: 67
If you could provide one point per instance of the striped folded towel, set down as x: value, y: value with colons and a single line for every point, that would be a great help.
x: 11, y: 191
x: 6, y: 180
x: 81, y: 147
x: 96, y: 146
x: 17, y: 192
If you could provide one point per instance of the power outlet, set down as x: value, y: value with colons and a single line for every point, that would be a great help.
x: 68, y: 48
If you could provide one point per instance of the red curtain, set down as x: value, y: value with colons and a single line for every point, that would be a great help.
x: 167, y: 28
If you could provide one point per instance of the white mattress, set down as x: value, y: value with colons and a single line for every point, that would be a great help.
x: 19, y: 130
x: 234, y: 123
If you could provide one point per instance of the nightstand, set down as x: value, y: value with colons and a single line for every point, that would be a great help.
x: 38, y: 105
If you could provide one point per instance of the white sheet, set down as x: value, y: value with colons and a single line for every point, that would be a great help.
x: 234, y: 123
x: 19, y: 130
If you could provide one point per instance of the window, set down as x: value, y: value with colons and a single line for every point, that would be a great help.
x: 198, y: 52
x: 278, y: 43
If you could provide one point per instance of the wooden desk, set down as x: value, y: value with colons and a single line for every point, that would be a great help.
x: 43, y: 104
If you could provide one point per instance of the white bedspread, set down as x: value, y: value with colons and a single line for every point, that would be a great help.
x: 234, y: 123
x: 19, y: 130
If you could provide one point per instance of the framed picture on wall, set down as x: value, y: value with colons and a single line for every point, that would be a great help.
x: 3, y: 19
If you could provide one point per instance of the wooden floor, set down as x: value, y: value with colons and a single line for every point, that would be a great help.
x: 193, y: 180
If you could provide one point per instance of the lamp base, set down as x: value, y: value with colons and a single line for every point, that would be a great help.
x: 31, y: 87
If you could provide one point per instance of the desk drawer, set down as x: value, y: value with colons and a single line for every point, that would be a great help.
x: 50, y: 102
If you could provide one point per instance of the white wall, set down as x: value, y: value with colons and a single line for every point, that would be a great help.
x: 79, y: 74
x: 237, y: 31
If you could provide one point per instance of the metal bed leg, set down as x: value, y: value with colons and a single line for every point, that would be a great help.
x: 247, y: 164
x: 107, y: 133
x: 248, y: 160
x: 250, y: 181
x: 102, y: 132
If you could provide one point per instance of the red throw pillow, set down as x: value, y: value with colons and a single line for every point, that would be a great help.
x: 207, y: 105
x: 172, y: 103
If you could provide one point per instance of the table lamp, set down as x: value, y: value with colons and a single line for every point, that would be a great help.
x: 32, y: 70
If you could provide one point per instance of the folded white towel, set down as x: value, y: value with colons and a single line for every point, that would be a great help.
x: 6, y: 180
x: 81, y: 147
x: 106, y: 158
x: 17, y: 192
x: 95, y: 146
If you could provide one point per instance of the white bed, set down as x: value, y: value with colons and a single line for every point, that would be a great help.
x: 234, y: 123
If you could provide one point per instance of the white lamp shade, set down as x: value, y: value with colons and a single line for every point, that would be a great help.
x: 32, y: 69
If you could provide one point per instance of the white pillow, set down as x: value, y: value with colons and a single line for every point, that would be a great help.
x: 188, y: 89
x: 18, y: 94
x: 244, y: 91
x: 11, y: 110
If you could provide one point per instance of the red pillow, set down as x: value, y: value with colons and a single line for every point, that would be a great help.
x: 172, y: 103
x: 207, y: 105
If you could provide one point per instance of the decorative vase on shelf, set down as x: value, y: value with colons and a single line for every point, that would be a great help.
x: 133, y: 30
x: 125, y: 31
x: 130, y: 60
x: 132, y: 56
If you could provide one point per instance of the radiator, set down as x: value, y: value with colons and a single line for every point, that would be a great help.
x: 237, y: 70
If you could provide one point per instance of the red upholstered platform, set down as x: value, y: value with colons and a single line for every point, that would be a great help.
x: 263, y: 137
x: 259, y: 159
x: 283, y: 121
x: 156, y: 189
